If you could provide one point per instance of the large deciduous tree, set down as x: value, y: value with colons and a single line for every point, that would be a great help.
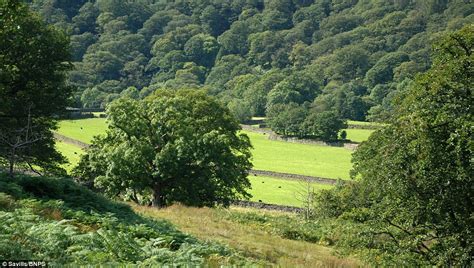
x: 33, y: 63
x: 182, y: 146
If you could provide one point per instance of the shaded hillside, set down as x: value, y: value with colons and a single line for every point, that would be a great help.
x: 259, y: 57
x: 60, y: 222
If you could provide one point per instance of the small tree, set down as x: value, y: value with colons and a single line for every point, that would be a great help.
x: 306, y: 194
x: 343, y: 135
x: 17, y: 140
x: 183, y: 146
x: 241, y: 110
x: 323, y: 125
x: 287, y: 119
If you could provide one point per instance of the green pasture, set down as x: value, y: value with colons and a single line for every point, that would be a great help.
x: 357, y: 134
x: 268, y: 155
x: 71, y: 152
x: 304, y: 159
x: 281, y: 191
x: 268, y: 190
x: 83, y: 129
x: 279, y: 156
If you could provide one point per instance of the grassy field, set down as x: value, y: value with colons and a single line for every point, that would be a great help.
x: 279, y: 156
x: 83, y: 130
x: 71, y: 152
x: 252, y: 241
x: 304, y: 159
x: 358, y: 135
x: 268, y: 190
x: 280, y: 191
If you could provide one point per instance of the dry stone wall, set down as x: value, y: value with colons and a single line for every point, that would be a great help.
x: 289, y: 176
x: 273, y: 136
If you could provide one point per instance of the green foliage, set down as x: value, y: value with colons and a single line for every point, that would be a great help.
x: 183, y: 146
x: 343, y: 134
x: 240, y: 110
x: 63, y: 223
x: 287, y: 119
x: 299, y: 87
x: 202, y: 49
x: 34, y: 59
x: 295, y: 120
x: 347, y: 100
x: 349, y: 62
x: 412, y: 201
x: 324, y: 125
x: 382, y: 71
x: 337, y: 42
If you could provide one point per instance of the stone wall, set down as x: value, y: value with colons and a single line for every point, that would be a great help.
x: 273, y: 136
x: 347, y: 145
x: 289, y: 176
x: 257, y: 130
x: 65, y: 139
x: 373, y: 127
x: 261, y: 205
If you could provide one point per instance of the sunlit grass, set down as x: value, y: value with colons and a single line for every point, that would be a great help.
x: 358, y: 135
x: 83, y: 129
x: 208, y: 224
x: 363, y: 123
x: 268, y: 190
x: 71, y: 152
x: 279, y: 156
x: 281, y: 191
x: 304, y: 159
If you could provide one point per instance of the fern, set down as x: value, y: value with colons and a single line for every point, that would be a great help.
x: 67, y: 224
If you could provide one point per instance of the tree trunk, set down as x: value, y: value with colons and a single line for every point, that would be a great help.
x: 11, y: 168
x: 134, y: 197
x: 157, y: 198
x: 12, y: 162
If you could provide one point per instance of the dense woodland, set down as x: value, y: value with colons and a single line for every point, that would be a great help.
x: 299, y: 62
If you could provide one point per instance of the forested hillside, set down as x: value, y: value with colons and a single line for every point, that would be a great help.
x: 290, y: 60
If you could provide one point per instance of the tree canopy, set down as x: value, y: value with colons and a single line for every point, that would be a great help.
x: 371, y: 44
x: 34, y: 60
x: 180, y: 146
x: 413, y: 200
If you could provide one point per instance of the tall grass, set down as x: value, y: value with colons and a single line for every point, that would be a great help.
x: 248, y: 237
